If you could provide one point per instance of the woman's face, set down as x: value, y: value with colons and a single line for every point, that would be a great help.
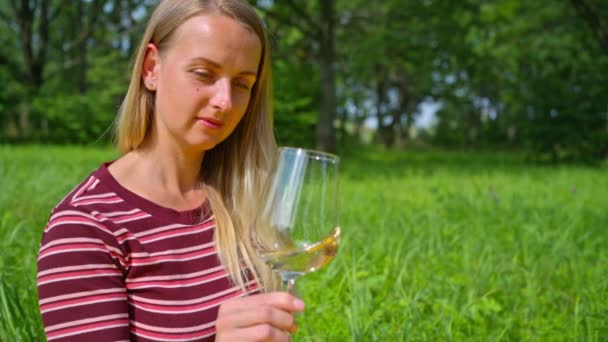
x: 203, y: 81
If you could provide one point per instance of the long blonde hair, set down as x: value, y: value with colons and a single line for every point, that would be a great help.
x: 233, y: 170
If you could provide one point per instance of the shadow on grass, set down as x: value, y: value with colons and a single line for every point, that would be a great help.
x: 373, y: 162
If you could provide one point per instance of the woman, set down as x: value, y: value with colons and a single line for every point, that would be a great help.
x: 153, y: 246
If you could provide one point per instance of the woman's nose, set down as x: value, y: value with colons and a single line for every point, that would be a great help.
x: 222, y: 97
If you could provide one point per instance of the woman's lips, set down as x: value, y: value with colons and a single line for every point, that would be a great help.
x: 210, y: 122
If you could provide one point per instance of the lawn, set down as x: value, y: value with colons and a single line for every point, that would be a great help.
x: 436, y: 246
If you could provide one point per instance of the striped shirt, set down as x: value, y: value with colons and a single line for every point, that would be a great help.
x: 114, y: 266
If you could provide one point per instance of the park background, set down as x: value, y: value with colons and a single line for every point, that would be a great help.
x: 473, y: 134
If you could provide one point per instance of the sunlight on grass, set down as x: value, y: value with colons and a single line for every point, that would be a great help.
x: 436, y: 246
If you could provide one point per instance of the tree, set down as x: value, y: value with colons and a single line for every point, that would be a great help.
x: 385, y: 47
x: 531, y: 71
x: 316, y: 22
x: 595, y: 21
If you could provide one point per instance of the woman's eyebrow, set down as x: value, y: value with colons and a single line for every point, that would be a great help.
x: 219, y: 66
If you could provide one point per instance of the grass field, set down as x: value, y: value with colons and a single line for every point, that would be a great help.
x: 437, y: 247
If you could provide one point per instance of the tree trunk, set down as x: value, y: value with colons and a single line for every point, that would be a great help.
x: 341, y: 122
x: 34, y: 48
x: 594, y: 20
x: 325, y: 133
x: 399, y: 140
x: 406, y: 102
x: 82, y: 53
x: 24, y: 119
x: 384, y: 132
x: 405, y: 128
x: 606, y: 140
x: 359, y: 119
x: 359, y: 129
x: 474, y: 129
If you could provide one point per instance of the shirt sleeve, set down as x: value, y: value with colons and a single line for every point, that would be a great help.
x: 81, y: 287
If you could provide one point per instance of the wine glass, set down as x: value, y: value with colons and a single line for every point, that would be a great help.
x: 296, y: 228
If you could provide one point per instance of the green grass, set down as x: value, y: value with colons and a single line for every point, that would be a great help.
x: 436, y: 247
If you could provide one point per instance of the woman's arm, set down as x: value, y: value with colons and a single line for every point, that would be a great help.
x: 82, y: 294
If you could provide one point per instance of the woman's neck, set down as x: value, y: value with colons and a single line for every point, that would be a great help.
x: 164, y: 174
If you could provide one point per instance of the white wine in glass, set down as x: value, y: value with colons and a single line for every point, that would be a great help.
x: 296, y: 230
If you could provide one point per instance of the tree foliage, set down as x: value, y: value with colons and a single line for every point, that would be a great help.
x: 509, y: 73
x: 530, y: 73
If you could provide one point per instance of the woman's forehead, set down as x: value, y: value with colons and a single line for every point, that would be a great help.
x: 217, y: 31
x: 217, y: 38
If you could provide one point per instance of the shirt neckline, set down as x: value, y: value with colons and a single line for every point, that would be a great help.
x: 191, y: 216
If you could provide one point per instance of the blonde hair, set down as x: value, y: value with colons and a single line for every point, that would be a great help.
x: 234, y: 169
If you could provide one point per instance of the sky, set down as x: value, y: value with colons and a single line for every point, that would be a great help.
x: 427, y: 108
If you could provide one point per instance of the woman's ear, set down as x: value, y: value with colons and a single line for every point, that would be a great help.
x: 150, y: 67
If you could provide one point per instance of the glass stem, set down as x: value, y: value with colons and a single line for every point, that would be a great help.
x: 288, y: 280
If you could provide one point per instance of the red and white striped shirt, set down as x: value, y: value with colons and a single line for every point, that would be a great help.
x: 114, y: 266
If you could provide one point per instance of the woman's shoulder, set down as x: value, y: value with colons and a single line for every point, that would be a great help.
x: 86, y: 208
x: 94, y: 198
x: 86, y: 190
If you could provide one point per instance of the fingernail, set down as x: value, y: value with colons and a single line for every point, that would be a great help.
x: 299, y: 304
x: 293, y: 329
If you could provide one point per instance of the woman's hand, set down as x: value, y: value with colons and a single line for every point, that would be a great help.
x: 261, y: 317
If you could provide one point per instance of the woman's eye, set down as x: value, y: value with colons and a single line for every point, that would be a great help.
x: 204, y: 75
x: 242, y: 84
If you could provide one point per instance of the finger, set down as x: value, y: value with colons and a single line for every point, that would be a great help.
x: 265, y: 314
x: 262, y: 332
x: 281, y: 300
